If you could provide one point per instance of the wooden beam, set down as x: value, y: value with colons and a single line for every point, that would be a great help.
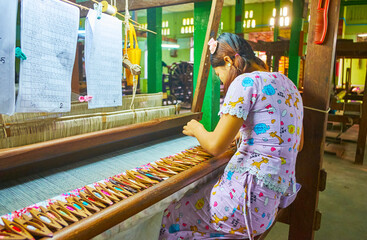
x: 19, y: 156
x: 318, y: 74
x: 211, y: 32
x: 362, y: 134
x: 154, y: 42
x: 105, y: 219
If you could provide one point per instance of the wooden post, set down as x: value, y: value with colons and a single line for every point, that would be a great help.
x: 154, y: 18
x: 361, y: 144
x: 240, y: 8
x: 211, y: 100
x: 294, y: 45
x: 318, y: 75
x: 211, y: 32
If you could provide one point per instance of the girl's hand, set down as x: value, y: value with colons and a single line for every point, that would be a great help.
x: 192, y: 128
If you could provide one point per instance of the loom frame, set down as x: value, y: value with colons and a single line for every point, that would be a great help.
x: 303, y: 219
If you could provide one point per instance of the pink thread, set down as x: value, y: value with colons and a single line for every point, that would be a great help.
x: 85, y: 98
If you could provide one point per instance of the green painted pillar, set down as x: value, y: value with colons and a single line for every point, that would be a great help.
x: 212, y: 93
x: 154, y: 18
x: 276, y: 23
x: 240, y: 8
x: 294, y: 45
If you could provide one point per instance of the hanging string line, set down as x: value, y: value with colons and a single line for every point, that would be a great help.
x: 86, y: 8
x: 138, y: 24
x: 317, y: 110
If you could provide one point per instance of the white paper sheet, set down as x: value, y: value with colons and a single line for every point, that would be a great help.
x: 49, y: 31
x: 8, y: 21
x: 103, y: 60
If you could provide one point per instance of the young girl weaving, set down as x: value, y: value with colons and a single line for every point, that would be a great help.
x: 265, y: 109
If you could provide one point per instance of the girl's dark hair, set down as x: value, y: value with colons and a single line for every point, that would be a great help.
x: 241, y: 53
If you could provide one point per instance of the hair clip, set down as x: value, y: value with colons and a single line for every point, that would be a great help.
x: 213, y: 44
x: 236, y: 55
x: 85, y: 98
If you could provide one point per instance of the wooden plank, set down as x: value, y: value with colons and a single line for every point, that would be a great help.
x: 318, y: 74
x: 16, y: 157
x: 212, y: 29
x: 362, y: 134
x: 115, y: 214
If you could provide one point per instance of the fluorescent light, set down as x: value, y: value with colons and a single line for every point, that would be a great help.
x: 274, y: 12
x: 362, y: 35
x: 286, y: 21
x: 272, y: 21
x: 285, y: 11
x: 251, y: 14
x: 253, y: 24
x: 246, y: 14
x: 81, y: 31
x: 170, y: 46
x: 281, y: 22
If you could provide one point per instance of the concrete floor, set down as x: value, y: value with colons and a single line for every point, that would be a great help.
x: 343, y: 204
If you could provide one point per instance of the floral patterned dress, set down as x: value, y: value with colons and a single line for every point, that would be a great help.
x: 244, y: 201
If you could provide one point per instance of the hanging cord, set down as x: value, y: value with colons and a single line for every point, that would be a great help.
x: 317, y: 110
x: 127, y: 29
x: 138, y: 24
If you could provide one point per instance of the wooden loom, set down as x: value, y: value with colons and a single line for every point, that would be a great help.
x: 302, y: 215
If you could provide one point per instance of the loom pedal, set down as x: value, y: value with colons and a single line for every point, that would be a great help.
x: 87, y: 204
x: 54, y: 215
x: 109, y: 194
x: 97, y: 195
x: 88, y: 199
x: 140, y: 177
x: 78, y: 208
x: 17, y: 229
x: 63, y: 212
x: 7, y: 235
x: 133, y: 183
x: 33, y: 226
x: 118, y: 192
x: 125, y: 189
x: 163, y: 170
x: 49, y: 219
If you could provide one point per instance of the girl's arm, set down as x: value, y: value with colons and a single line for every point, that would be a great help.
x: 215, y: 142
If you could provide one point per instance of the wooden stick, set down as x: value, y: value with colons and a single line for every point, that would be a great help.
x: 211, y: 32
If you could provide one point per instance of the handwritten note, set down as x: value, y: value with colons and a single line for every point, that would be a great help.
x: 103, y: 60
x: 49, y: 30
x: 8, y: 21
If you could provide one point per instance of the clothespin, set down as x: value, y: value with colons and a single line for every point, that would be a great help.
x: 19, y: 54
x: 85, y: 98
x: 98, y: 9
